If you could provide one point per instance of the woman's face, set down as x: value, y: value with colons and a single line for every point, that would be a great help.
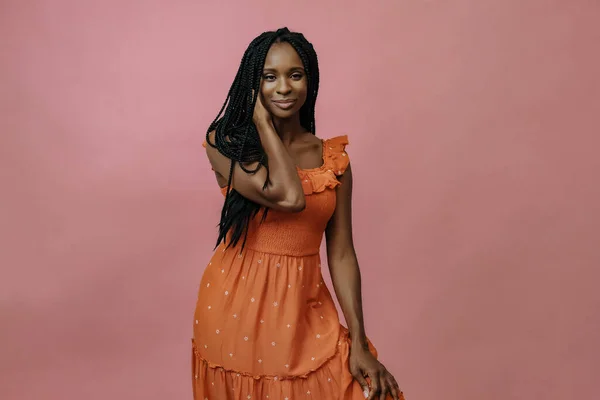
x: 284, y: 83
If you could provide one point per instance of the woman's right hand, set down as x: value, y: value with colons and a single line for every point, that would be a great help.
x: 261, y: 114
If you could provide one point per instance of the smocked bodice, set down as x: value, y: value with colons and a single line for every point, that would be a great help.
x: 300, y: 234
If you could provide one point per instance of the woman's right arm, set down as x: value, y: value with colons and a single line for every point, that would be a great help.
x: 283, y: 191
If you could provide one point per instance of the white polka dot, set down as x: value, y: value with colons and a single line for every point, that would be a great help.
x: 288, y: 325
x: 226, y: 292
x: 234, y: 315
x: 273, y: 343
x: 289, y: 286
x: 259, y: 361
x: 252, y: 299
x: 318, y: 336
x: 278, y: 265
x: 312, y: 358
x: 321, y: 317
x: 209, y: 263
x: 261, y: 321
x: 260, y: 261
x: 239, y: 256
x: 275, y: 378
x: 209, y: 307
x: 218, y: 331
x: 300, y: 268
x: 308, y: 392
x: 222, y: 271
x: 275, y: 304
x: 196, y: 322
x: 208, y: 284
x: 328, y: 379
x: 230, y: 354
x: 344, y: 154
x: 196, y: 376
x: 243, y: 277
x: 287, y: 365
x: 206, y: 346
x: 246, y: 338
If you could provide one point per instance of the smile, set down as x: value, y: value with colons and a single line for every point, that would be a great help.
x: 285, y: 105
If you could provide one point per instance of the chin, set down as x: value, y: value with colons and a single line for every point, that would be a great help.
x: 283, y: 114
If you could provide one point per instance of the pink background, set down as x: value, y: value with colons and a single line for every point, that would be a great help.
x: 474, y: 138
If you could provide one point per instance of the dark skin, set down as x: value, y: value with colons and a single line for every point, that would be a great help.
x: 289, y: 145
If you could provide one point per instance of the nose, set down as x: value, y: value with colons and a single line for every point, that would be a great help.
x: 284, y: 87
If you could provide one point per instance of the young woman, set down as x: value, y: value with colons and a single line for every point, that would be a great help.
x: 265, y: 324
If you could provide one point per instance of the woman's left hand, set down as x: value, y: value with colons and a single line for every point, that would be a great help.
x: 363, y: 363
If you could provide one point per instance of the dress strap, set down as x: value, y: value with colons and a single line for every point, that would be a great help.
x: 335, y: 163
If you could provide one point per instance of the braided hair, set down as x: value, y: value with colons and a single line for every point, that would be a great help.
x: 236, y: 136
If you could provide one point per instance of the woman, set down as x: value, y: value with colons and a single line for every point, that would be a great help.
x: 265, y: 323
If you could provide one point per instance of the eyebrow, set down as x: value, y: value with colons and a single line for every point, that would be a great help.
x: 290, y: 70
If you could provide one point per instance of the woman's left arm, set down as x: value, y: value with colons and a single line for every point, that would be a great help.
x: 345, y: 275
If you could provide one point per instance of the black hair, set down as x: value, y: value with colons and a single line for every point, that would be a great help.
x: 236, y: 136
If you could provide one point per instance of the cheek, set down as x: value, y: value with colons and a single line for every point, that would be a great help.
x: 266, y: 89
x: 301, y: 89
x: 302, y: 96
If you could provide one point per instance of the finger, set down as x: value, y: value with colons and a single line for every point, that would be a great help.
x: 375, y: 386
x: 384, y: 387
x: 394, y: 389
x: 361, y: 381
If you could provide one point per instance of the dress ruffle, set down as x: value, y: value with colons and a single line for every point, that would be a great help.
x: 335, y: 163
x: 331, y: 380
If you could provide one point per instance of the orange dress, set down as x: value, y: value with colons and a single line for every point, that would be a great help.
x: 265, y: 325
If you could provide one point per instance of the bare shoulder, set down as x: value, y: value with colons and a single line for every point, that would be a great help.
x: 310, y: 142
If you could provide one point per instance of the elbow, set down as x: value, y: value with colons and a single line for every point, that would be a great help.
x: 298, y: 207
x: 294, y: 204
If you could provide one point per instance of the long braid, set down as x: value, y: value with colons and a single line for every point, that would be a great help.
x: 236, y: 136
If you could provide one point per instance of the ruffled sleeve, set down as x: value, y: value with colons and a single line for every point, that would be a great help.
x: 335, y: 154
x: 335, y: 162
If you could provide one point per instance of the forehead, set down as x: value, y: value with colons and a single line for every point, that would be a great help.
x: 282, y: 55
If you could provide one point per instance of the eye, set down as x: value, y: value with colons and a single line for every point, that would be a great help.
x: 297, y: 76
x: 269, y: 77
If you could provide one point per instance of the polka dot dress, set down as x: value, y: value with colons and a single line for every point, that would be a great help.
x: 265, y: 325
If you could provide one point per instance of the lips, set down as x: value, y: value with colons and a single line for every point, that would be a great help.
x: 284, y: 104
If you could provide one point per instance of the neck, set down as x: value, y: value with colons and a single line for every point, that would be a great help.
x: 288, y: 129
